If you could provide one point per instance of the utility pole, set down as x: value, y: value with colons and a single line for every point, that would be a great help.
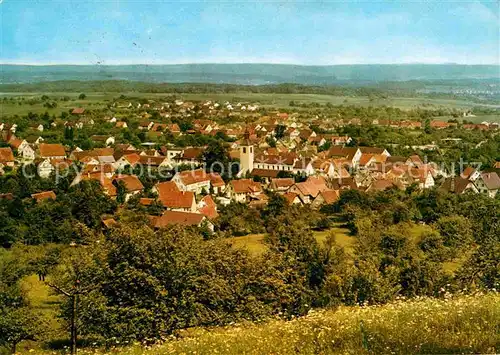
x: 73, y: 295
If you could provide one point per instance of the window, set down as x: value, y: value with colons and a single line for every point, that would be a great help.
x: 244, y: 150
x: 251, y: 149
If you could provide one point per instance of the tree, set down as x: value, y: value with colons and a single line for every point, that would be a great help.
x: 144, y: 284
x: 18, y: 321
x: 121, y: 192
x: 216, y: 158
x: 18, y: 324
x: 456, y: 232
x: 68, y: 133
x: 279, y: 131
x: 82, y: 96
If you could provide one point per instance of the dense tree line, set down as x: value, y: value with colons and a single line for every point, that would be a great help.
x: 136, y: 283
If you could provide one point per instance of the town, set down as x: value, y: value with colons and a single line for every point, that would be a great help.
x: 304, y: 160
x: 216, y: 204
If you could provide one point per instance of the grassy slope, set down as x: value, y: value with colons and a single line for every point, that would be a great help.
x: 45, y: 301
x: 466, y: 324
x: 254, y: 243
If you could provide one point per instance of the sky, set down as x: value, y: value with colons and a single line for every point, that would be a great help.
x: 291, y: 32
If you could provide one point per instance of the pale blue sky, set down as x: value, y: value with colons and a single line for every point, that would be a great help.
x: 300, y: 32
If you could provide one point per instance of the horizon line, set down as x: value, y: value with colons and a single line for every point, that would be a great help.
x: 240, y: 63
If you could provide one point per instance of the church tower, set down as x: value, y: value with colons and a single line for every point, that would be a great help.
x: 246, y: 155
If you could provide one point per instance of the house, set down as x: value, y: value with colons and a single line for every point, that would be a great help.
x: 217, y: 183
x: 281, y: 184
x: 325, y: 197
x: 174, y: 199
x: 127, y: 160
x: 488, y: 183
x: 458, y: 185
x: 154, y: 161
x: 121, y: 125
x: 133, y: 186
x: 106, y: 140
x: 107, y: 170
x: 25, y: 153
x: 105, y: 182
x: 43, y: 196
x: 351, y: 154
x: 374, y: 150
x: 51, y: 151
x: 109, y: 223
x: 146, y: 125
x: 340, y: 140
x: 439, y: 124
x: 165, y: 188
x: 283, y: 162
x: 183, y: 219
x: 382, y: 185
x: 47, y: 166
x: 178, y: 200
x: 241, y: 190
x: 197, y: 181
x: 6, y: 157
x: 414, y: 161
x: 422, y: 176
x: 303, y: 166
x: 292, y: 198
x: 309, y: 189
x: 470, y: 173
x: 171, y: 152
x: 190, y: 156
x: 207, y: 207
x: 78, y: 111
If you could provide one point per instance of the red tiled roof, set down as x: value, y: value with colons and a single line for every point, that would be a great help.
x: 467, y: 173
x: 208, y: 207
x: 105, y: 182
x: 146, y: 201
x: 276, y: 159
x: 216, y: 180
x: 133, y: 158
x: 110, y: 222
x: 265, y: 173
x: 282, y: 182
x: 177, y: 199
x: 166, y: 187
x: 132, y: 182
x: 6, y: 155
x: 14, y: 142
x: 46, y: 195
x: 78, y: 111
x: 289, y: 197
x: 179, y: 218
x: 245, y: 186
x: 51, y: 150
x: 151, y: 160
x: 330, y: 196
x: 189, y: 177
x: 191, y: 153
x: 382, y: 184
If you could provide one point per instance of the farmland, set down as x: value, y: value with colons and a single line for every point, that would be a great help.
x: 100, y: 100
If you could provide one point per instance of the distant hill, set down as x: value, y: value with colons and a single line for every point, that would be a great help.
x: 249, y: 74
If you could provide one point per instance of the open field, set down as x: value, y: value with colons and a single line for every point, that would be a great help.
x: 254, y: 243
x: 465, y: 324
x: 99, y: 100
